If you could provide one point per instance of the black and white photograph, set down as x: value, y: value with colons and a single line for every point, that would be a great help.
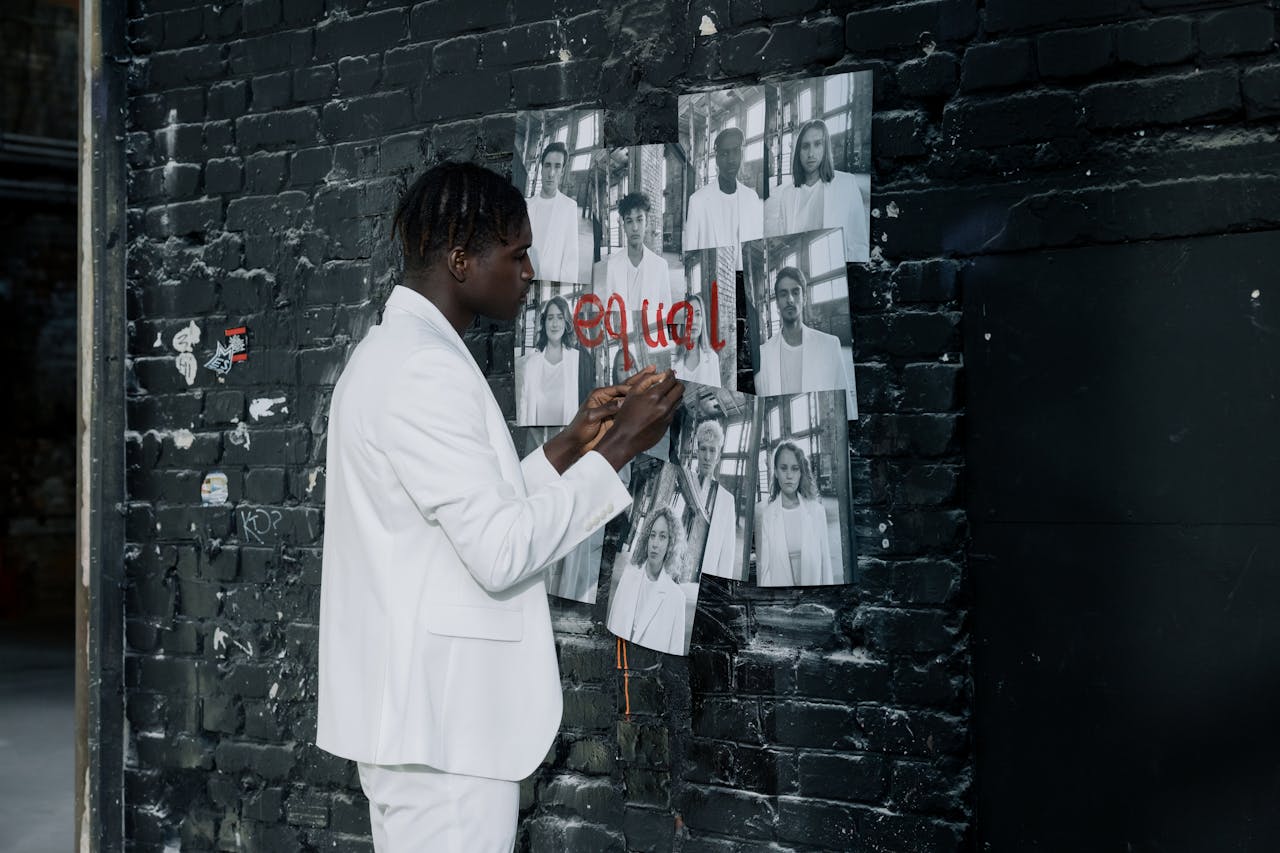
x: 802, y: 524
x: 714, y: 438
x: 653, y: 591
x: 819, y: 158
x: 639, y: 188
x: 799, y: 333
x: 553, y: 372
x: 723, y: 134
x: 576, y: 576
x: 707, y: 346
x: 554, y: 152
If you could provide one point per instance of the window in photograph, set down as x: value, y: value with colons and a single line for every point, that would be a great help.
x: 800, y: 417
x: 826, y: 253
x: 586, y: 132
x: 835, y: 91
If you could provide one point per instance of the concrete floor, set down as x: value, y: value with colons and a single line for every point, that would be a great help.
x: 37, y: 743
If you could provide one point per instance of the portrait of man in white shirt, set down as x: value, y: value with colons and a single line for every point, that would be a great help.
x: 638, y: 274
x: 799, y: 358
x: 710, y: 502
x: 553, y: 216
x: 725, y: 212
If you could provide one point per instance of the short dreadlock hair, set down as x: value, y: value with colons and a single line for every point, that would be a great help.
x: 456, y: 204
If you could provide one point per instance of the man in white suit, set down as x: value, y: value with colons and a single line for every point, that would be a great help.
x: 438, y: 669
x: 714, y: 503
x: 724, y: 212
x: 798, y: 358
x: 553, y: 216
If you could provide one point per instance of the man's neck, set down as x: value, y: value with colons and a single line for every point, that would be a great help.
x: 728, y: 185
x: 793, y: 333
x: 635, y: 254
x: 550, y: 192
x: 811, y: 178
x: 438, y: 289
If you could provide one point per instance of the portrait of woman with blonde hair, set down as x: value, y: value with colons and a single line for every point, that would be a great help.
x: 648, y: 606
x: 791, y: 526
x: 698, y: 363
x: 818, y: 196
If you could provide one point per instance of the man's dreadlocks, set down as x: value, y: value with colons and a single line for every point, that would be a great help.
x: 456, y: 204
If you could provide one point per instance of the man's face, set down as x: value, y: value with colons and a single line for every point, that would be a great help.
x: 790, y: 296
x: 708, y: 455
x: 729, y: 155
x: 812, y: 147
x: 552, y: 170
x: 633, y: 226
x: 499, y: 276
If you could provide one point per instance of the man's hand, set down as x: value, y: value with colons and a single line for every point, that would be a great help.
x: 643, y: 417
x: 593, y: 419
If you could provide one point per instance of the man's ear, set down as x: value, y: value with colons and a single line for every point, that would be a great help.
x: 458, y: 262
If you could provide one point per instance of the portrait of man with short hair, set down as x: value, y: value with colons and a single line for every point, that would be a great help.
x: 801, y: 337
x: 552, y: 166
x: 723, y: 132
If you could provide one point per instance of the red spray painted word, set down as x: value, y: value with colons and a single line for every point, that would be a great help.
x: 582, y: 325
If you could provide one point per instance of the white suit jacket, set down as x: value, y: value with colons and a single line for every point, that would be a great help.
x: 435, y: 636
x: 722, y: 537
x: 773, y: 564
x: 825, y: 367
x: 527, y: 403
x: 842, y: 207
x: 659, y: 626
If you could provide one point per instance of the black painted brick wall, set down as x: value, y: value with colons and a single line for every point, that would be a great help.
x: 268, y: 141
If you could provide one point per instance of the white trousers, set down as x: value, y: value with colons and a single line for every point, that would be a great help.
x: 418, y: 809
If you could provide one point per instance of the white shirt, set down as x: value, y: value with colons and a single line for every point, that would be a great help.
x: 554, y: 222
x: 634, y: 283
x: 717, y: 218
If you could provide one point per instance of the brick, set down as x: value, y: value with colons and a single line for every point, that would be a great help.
x: 1159, y: 42
x: 223, y: 175
x: 1004, y: 15
x: 831, y: 825
x: 997, y: 65
x: 910, y: 24
x: 311, y: 85
x: 277, y: 51
x: 277, y: 129
x: 435, y: 18
x: 930, y: 76
x: 1261, y: 87
x: 366, y: 117
x: 727, y: 812
x: 1237, y: 31
x: 363, y: 34
x: 1197, y: 96
x: 899, y: 133
x: 269, y: 92
x: 546, y: 85
x: 1075, y: 53
x: 171, y: 68
x: 357, y: 75
x: 1011, y: 120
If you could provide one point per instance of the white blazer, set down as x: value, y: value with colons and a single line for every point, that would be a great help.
x: 773, y: 563
x: 825, y: 367
x: 527, y: 404
x: 719, y: 553
x: 435, y: 636
x: 659, y: 623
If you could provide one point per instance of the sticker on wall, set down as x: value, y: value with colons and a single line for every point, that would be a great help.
x: 240, y: 435
x: 213, y: 491
x: 234, y: 349
x: 185, y: 342
x: 262, y: 407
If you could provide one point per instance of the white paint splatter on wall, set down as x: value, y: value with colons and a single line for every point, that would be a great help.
x: 707, y: 27
x: 240, y: 435
x: 185, y: 343
x: 261, y: 407
x: 183, y: 438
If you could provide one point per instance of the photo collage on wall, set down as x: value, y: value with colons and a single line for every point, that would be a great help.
x: 636, y: 255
